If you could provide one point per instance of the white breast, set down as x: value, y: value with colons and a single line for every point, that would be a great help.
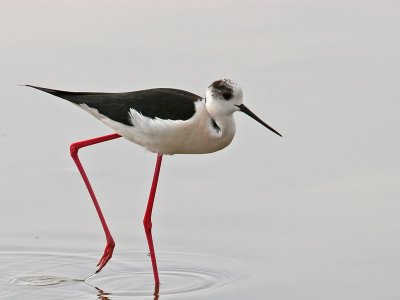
x: 193, y: 136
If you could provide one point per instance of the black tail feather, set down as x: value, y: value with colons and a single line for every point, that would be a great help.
x: 74, y: 97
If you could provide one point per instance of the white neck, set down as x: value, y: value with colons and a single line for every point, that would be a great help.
x: 226, y: 124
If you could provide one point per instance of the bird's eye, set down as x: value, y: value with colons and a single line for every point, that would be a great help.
x: 227, y: 96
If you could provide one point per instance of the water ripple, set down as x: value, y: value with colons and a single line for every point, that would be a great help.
x: 39, y: 280
x: 127, y: 275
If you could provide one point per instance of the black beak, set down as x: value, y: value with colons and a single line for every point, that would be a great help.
x: 248, y: 112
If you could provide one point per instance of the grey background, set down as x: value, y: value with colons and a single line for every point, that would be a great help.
x: 317, y: 209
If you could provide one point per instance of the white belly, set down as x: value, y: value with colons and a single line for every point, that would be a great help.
x: 193, y: 136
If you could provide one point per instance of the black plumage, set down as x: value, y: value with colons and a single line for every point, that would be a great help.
x: 163, y: 103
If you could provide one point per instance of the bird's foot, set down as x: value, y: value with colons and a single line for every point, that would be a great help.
x: 108, y: 252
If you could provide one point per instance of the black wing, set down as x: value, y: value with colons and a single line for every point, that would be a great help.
x: 163, y: 103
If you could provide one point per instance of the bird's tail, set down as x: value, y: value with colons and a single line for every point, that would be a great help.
x: 74, y: 97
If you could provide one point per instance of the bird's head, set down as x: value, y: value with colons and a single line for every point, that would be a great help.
x: 224, y: 97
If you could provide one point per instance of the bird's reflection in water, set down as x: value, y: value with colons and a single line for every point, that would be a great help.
x: 102, y: 294
x: 107, y: 296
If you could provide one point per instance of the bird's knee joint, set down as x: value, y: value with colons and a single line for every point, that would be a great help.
x: 73, y: 149
x: 147, y: 224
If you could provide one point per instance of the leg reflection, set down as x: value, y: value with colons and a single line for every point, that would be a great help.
x: 102, y: 295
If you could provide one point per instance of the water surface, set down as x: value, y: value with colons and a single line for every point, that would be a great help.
x: 59, y: 275
x: 312, y: 215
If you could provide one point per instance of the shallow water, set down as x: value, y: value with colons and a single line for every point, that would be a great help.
x: 312, y: 215
x: 58, y: 276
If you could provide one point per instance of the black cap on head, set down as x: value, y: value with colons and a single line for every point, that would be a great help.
x: 222, y: 88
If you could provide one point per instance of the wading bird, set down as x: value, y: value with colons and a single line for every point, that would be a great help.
x: 164, y: 121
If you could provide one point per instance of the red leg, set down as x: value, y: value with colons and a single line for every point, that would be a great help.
x: 156, y: 291
x: 147, y: 218
x: 74, y: 148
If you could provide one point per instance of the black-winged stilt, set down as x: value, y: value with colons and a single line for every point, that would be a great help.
x: 164, y: 121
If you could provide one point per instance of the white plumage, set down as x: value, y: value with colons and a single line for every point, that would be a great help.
x: 196, y: 135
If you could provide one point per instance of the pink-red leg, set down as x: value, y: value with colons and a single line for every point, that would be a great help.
x: 147, y: 218
x: 74, y: 148
x: 156, y: 291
